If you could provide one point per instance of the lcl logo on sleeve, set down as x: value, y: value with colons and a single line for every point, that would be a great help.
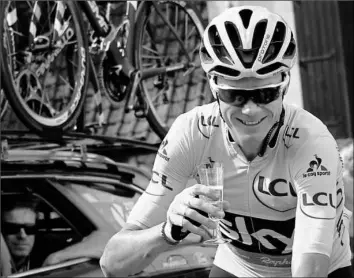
x: 321, y: 205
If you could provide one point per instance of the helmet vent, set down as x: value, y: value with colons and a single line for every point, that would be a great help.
x: 259, y: 32
x: 225, y: 71
x: 246, y: 17
x: 290, y: 51
x: 233, y: 34
x: 247, y: 57
x: 214, y: 36
x: 276, y: 43
x: 218, y: 46
x: 271, y: 68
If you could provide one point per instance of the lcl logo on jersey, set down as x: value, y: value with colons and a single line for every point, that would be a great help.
x: 316, y: 168
x: 162, y: 150
x: 321, y: 205
x: 204, y: 122
x: 160, y: 179
x: 277, y: 194
x: 290, y: 134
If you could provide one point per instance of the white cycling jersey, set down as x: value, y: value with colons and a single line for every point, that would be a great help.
x: 287, y: 202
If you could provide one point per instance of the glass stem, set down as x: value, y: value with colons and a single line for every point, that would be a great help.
x: 217, y: 234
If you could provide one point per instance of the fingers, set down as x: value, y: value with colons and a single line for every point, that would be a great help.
x: 203, y: 205
x: 179, y: 217
x: 201, y: 189
x: 191, y: 212
x: 198, y: 217
x: 200, y: 230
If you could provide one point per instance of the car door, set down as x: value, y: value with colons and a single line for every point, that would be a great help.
x: 78, y: 210
x: 60, y: 225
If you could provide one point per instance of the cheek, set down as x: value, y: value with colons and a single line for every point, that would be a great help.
x: 275, y: 107
x: 10, y: 239
x: 228, y: 110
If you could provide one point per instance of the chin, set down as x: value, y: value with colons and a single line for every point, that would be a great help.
x: 21, y: 254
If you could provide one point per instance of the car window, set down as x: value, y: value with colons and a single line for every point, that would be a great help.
x: 53, y: 231
x: 114, y: 205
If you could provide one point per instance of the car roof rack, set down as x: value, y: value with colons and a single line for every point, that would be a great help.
x: 21, y: 135
x: 56, y: 160
x: 70, y: 141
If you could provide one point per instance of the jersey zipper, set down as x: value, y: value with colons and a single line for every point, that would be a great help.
x: 250, y: 185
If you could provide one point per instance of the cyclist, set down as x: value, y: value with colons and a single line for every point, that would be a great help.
x: 283, y: 220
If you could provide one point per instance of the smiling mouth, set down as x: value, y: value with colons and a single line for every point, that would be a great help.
x: 249, y: 123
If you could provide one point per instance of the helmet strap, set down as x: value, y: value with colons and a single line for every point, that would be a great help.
x: 218, y: 100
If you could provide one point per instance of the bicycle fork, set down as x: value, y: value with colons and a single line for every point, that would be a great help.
x: 135, y: 100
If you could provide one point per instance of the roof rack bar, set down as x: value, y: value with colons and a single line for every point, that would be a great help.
x: 72, y: 135
x: 4, y: 149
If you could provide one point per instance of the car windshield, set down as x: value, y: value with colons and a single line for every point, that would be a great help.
x: 114, y: 205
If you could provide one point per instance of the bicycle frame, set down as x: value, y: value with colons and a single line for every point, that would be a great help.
x: 123, y: 51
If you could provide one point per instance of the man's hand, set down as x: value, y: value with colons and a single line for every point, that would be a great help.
x: 53, y: 258
x: 185, y: 206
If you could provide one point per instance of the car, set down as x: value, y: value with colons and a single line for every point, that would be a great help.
x: 85, y: 198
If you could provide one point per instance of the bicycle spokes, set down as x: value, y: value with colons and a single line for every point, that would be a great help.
x: 46, y: 59
x: 29, y: 87
x: 176, y: 51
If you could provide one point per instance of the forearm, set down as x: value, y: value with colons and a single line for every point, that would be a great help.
x: 310, y: 265
x: 91, y: 246
x: 129, y: 252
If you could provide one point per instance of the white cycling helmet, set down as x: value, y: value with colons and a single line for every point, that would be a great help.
x: 247, y: 41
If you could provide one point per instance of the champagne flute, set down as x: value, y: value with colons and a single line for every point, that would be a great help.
x: 212, y: 174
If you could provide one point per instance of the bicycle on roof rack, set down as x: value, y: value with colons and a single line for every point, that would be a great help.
x: 3, y: 104
x: 52, y: 49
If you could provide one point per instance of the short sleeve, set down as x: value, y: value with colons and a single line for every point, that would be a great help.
x: 315, y: 171
x: 174, y: 165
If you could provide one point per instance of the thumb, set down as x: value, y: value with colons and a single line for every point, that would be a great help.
x: 208, y: 232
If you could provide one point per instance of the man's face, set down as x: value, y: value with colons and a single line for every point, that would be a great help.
x: 20, y: 243
x: 251, y: 119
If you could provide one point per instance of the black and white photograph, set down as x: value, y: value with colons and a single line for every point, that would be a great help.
x: 178, y: 139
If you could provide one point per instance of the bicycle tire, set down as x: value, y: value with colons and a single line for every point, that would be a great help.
x: 3, y: 104
x: 77, y: 84
x: 157, y: 121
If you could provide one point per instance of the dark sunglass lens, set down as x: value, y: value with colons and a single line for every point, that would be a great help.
x: 226, y: 95
x: 234, y: 97
x: 30, y: 230
x: 12, y: 229
x: 240, y: 99
x: 267, y: 95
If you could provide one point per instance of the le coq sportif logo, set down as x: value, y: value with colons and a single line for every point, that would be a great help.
x: 316, y: 168
x: 162, y: 150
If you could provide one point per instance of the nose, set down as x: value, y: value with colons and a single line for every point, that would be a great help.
x: 250, y: 108
x: 22, y: 233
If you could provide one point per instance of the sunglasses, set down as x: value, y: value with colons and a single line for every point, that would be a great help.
x: 8, y: 228
x: 239, y: 97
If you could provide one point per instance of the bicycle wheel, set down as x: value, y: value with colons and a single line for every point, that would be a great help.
x: 170, y: 94
x: 3, y: 104
x: 45, y: 69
